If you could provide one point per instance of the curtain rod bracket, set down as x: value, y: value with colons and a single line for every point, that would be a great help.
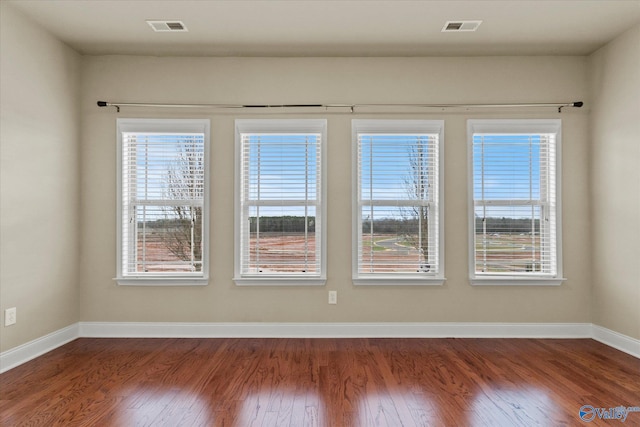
x: 108, y: 104
x: 577, y: 104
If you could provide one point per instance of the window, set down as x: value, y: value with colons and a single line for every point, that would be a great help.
x: 514, y: 188
x: 398, y: 203
x: 162, y: 201
x: 280, y: 209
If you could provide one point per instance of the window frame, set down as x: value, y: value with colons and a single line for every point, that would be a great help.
x: 515, y: 127
x: 399, y: 127
x: 125, y: 125
x: 274, y: 127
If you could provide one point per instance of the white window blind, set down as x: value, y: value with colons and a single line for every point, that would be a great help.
x: 515, y: 201
x: 281, y: 212
x: 162, y: 199
x: 398, y: 200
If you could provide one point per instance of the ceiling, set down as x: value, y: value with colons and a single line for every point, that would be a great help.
x: 334, y: 28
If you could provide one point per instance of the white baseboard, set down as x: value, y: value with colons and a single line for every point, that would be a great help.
x: 336, y: 330
x: 23, y: 353
x: 616, y: 340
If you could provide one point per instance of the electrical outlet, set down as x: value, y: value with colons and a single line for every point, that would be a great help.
x: 10, y: 316
x: 333, y: 297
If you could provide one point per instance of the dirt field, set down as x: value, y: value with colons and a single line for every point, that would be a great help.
x: 507, y: 253
x: 155, y: 257
x: 389, y: 253
x: 283, y: 253
x: 290, y: 253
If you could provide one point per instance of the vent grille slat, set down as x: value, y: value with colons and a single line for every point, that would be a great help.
x: 175, y: 26
x: 460, y: 26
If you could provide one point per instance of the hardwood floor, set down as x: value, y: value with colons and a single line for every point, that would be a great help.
x: 320, y: 382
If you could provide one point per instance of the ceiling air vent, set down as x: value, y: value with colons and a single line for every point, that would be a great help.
x: 167, y: 26
x: 460, y: 26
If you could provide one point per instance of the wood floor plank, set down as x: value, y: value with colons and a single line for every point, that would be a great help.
x: 319, y: 382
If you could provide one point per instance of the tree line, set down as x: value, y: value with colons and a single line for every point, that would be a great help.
x: 407, y: 226
x: 508, y: 225
x: 281, y: 224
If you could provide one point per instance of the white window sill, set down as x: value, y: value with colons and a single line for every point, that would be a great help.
x: 162, y: 281
x: 516, y: 281
x: 279, y: 281
x: 398, y: 281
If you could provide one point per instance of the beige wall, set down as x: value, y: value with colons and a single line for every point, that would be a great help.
x: 359, y: 80
x: 39, y: 217
x: 615, y: 183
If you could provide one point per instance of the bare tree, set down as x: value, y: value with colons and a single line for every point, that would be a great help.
x: 183, y: 237
x: 418, y: 187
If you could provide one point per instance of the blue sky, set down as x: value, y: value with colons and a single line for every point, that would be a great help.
x: 279, y: 165
x: 511, y: 172
x: 156, y: 155
x: 388, y: 156
x: 386, y: 173
x: 511, y: 169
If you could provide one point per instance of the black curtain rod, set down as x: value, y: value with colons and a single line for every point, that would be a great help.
x: 351, y: 107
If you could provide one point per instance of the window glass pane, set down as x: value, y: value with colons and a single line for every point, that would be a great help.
x: 507, y: 167
x: 165, y: 166
x: 395, y: 240
x: 280, y: 206
x: 508, y: 239
x: 163, y: 199
x: 397, y: 167
x: 514, y: 204
x: 168, y: 239
x: 282, y: 167
x: 398, y: 213
x: 282, y: 240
